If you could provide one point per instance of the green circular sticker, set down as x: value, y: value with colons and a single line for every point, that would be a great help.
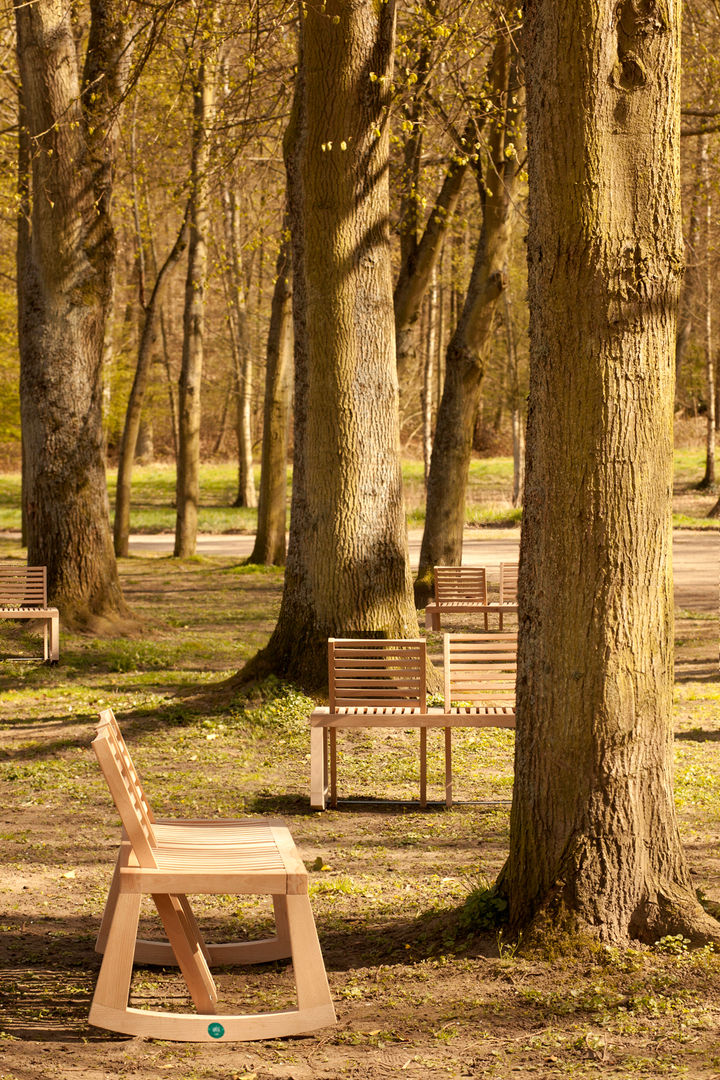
x: 216, y: 1031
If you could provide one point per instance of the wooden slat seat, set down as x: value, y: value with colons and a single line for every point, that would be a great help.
x: 169, y: 859
x: 23, y: 595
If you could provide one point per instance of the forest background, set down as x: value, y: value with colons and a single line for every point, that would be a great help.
x: 441, y: 93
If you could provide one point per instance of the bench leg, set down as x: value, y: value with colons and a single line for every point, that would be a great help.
x: 318, y: 767
x: 423, y: 767
x: 448, y: 766
x: 54, y: 640
x: 333, y: 768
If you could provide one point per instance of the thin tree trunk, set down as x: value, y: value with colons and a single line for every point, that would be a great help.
x: 269, y: 546
x: 516, y: 417
x: 464, y: 364
x: 172, y: 403
x: 133, y: 413
x: 428, y: 375
x: 594, y: 841
x: 421, y: 259
x: 240, y: 344
x: 188, y: 466
x: 708, y: 481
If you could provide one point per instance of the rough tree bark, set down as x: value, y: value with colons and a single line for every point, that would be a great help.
x: 347, y: 567
x: 66, y: 272
x: 594, y: 841
x: 464, y: 366
x: 269, y: 546
x: 188, y: 462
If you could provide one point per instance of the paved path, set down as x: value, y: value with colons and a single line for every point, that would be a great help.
x: 696, y: 556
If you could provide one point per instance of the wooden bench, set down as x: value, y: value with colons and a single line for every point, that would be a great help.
x: 382, y: 684
x: 508, y: 591
x: 168, y: 860
x: 479, y: 676
x: 23, y: 595
x: 457, y: 589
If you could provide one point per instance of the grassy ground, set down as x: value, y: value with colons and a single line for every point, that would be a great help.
x: 417, y: 993
x: 488, y: 496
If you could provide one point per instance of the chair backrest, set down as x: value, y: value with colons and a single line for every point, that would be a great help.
x: 508, y: 582
x: 460, y: 583
x: 377, y: 673
x: 129, y: 801
x: 23, y: 586
x: 107, y: 716
x: 480, y: 668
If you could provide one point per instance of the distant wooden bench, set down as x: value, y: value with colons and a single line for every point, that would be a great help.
x: 23, y: 595
x: 457, y: 589
x: 464, y: 589
x: 382, y: 684
x: 508, y: 590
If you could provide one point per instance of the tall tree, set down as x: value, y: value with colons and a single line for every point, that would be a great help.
x: 594, y: 841
x: 347, y: 569
x: 66, y: 270
x: 203, y: 73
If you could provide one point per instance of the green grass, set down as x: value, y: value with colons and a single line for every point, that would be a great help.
x: 487, y: 501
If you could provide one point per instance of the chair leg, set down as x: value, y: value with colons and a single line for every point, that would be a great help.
x: 311, y: 980
x: 189, y: 951
x: 111, y: 902
x: 113, y: 985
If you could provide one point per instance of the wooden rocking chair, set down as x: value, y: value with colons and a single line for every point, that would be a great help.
x: 168, y: 860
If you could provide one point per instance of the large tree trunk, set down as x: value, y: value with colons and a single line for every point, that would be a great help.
x: 594, y: 840
x: 464, y: 366
x: 269, y: 546
x: 188, y: 464
x: 66, y: 275
x: 347, y: 569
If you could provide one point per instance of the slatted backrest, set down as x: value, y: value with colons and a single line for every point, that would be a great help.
x: 23, y: 586
x: 455, y: 584
x: 107, y: 716
x: 129, y: 803
x: 480, y: 667
x: 508, y: 582
x: 377, y: 673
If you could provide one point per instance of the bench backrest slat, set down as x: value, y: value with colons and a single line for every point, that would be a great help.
x: 23, y: 586
x: 480, y: 668
x: 508, y: 582
x: 376, y: 673
x: 455, y: 584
